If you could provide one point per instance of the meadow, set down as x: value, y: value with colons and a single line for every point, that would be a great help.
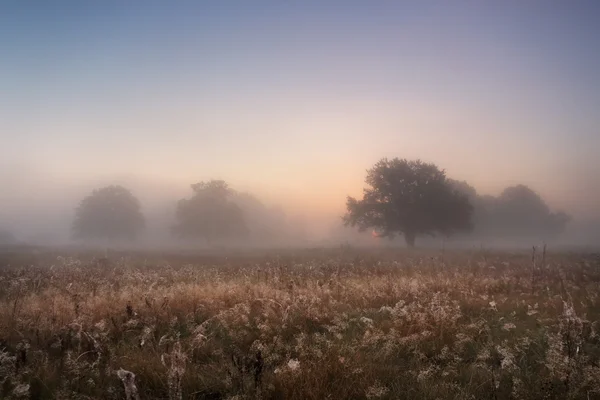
x: 338, y: 323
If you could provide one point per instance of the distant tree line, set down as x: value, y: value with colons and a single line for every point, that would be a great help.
x: 410, y: 198
x: 518, y: 212
x: 213, y: 213
x: 414, y: 198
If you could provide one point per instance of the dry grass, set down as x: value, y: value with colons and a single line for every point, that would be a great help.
x: 319, y: 324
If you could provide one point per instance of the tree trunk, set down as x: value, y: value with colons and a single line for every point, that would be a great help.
x: 410, y: 238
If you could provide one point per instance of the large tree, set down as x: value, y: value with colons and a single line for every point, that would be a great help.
x: 209, y: 213
x: 411, y: 198
x: 108, y: 213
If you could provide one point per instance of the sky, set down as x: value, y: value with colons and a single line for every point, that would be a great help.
x: 295, y: 100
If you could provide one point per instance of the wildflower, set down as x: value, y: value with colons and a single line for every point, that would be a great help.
x: 484, y: 355
x: 165, y: 340
x: 508, y: 326
x: 199, y: 339
x: 366, y: 321
x: 508, y: 359
x: 128, y: 379
x: 426, y: 373
x: 146, y: 334
x: 101, y: 325
x: 375, y: 391
x: 7, y: 365
x: 386, y: 309
x: 132, y: 323
x: 532, y: 311
x: 21, y: 390
x: 518, y: 389
x: 293, y: 364
x: 176, y: 367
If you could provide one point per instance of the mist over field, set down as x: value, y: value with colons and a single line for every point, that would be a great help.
x: 47, y: 220
x: 39, y: 209
x: 293, y: 104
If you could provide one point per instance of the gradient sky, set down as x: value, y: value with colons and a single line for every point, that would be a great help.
x: 295, y: 101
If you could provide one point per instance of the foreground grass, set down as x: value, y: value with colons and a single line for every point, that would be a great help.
x: 337, y: 324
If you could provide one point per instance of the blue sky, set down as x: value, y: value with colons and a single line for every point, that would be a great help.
x: 297, y: 100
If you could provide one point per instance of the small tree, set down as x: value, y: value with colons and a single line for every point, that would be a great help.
x: 411, y: 198
x: 209, y: 213
x: 109, y: 213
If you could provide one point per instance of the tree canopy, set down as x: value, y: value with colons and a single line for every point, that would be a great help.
x: 210, y: 213
x: 411, y: 198
x: 108, y: 213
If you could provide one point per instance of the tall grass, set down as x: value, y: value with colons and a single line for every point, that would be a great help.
x: 337, y: 324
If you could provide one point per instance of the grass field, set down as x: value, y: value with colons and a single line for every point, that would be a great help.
x: 305, y: 324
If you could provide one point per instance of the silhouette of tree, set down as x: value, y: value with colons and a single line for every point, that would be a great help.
x: 411, y: 198
x: 210, y: 213
x: 108, y: 213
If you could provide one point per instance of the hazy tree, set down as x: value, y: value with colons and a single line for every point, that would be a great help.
x: 463, y: 188
x: 411, y: 198
x: 263, y: 222
x: 209, y: 213
x: 109, y: 213
x: 482, y: 206
x: 519, y: 211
